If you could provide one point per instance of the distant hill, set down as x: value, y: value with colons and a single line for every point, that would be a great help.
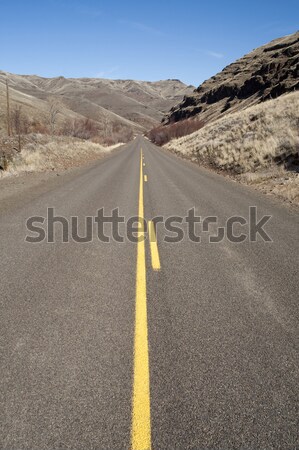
x: 133, y: 105
x: 265, y: 73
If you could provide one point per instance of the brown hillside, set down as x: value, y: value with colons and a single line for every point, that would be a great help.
x: 265, y: 73
x: 134, y: 105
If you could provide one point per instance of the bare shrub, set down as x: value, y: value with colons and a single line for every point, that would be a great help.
x: 80, y: 128
x: 102, y: 133
x: 4, y: 164
x: 164, y: 133
x: 107, y: 141
x: 38, y: 127
x: 19, y: 121
x: 122, y: 134
x: 54, y: 108
x: 119, y: 133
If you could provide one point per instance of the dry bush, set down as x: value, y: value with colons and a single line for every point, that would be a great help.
x: 250, y: 140
x: 79, y: 128
x: 54, y: 108
x: 164, y: 133
x: 37, y: 127
x: 88, y: 129
x: 105, y: 140
x: 122, y: 134
x: 118, y: 133
x: 4, y: 162
x: 20, y: 123
x: 42, y: 153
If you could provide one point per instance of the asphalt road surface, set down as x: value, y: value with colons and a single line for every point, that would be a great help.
x: 148, y: 344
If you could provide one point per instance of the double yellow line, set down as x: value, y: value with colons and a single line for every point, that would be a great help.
x: 141, y: 415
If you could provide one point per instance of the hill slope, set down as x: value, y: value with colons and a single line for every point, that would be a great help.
x: 258, y: 146
x: 265, y: 73
x: 136, y: 105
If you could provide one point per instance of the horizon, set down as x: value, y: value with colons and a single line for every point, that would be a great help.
x: 91, y: 78
x: 136, y: 42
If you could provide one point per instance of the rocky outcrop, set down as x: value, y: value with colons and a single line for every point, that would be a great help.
x: 265, y: 73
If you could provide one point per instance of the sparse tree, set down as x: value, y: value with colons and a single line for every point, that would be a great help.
x: 19, y: 123
x: 80, y: 128
x: 54, y: 109
x: 68, y: 128
x: 8, y: 109
x: 16, y: 119
x: 107, y: 127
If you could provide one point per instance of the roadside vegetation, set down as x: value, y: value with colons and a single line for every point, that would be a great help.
x: 259, y: 145
x: 164, y: 133
x: 50, y: 143
x: 46, y: 153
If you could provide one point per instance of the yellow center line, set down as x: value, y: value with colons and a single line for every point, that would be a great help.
x: 154, y: 246
x: 141, y: 420
x: 145, y: 178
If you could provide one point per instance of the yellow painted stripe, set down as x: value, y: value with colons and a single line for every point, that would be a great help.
x: 141, y: 420
x: 154, y: 246
x: 145, y: 178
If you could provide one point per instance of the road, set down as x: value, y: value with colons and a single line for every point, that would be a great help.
x: 162, y: 345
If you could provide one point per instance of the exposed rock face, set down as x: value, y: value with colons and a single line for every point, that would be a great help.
x: 265, y: 73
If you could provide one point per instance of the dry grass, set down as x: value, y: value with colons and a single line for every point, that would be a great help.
x: 261, y: 144
x: 45, y: 153
x: 249, y: 140
x: 276, y: 180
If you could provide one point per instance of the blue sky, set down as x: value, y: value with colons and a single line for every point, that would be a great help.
x: 146, y: 40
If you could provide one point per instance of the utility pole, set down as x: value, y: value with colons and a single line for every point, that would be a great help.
x: 8, y: 109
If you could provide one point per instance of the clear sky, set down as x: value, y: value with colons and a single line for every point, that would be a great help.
x: 146, y: 40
